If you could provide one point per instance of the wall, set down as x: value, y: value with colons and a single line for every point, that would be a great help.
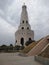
x: 44, y: 61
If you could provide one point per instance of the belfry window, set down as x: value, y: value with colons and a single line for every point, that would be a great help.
x: 26, y: 21
x: 22, y: 27
x: 29, y: 39
x: 27, y: 27
x: 16, y: 41
x: 23, y: 21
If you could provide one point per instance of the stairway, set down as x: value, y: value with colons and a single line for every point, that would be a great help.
x: 38, y: 48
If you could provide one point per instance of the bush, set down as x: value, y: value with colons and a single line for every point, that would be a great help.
x: 29, y: 42
x: 10, y: 47
x: 22, y: 47
x: 3, y: 48
x: 17, y: 47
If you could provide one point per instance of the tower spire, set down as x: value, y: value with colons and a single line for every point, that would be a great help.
x: 24, y: 18
x: 24, y: 3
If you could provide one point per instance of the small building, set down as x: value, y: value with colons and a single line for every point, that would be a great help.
x: 24, y: 32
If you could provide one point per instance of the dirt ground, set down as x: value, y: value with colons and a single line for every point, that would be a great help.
x: 14, y: 59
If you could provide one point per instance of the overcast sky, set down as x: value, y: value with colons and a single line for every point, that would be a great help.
x: 10, y: 11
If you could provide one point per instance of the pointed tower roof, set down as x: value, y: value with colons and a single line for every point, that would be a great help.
x: 24, y: 6
x: 24, y: 14
x: 24, y: 18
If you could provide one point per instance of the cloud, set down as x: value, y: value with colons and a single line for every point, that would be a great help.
x: 10, y: 12
x: 7, y: 33
x: 4, y: 4
x: 45, y: 3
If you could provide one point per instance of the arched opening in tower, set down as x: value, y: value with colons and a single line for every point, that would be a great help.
x: 22, y: 41
x: 29, y: 39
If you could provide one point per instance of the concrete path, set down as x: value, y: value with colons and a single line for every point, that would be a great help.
x: 14, y: 59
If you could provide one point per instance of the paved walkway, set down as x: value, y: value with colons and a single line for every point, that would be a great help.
x: 14, y: 59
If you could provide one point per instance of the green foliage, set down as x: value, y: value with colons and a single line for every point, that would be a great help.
x: 22, y: 47
x: 10, y: 47
x: 29, y: 42
x: 17, y: 47
x: 3, y: 48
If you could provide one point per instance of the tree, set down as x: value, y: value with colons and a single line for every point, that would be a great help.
x: 22, y: 47
x: 29, y: 42
x: 3, y: 48
x: 11, y: 47
x: 17, y: 47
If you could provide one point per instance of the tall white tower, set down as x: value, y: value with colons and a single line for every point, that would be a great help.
x: 24, y: 32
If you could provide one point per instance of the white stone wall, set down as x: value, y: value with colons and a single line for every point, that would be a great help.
x: 26, y: 34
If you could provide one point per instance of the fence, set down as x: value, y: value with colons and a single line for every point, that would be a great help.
x: 44, y: 61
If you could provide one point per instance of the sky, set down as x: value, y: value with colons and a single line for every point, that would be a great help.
x: 10, y: 13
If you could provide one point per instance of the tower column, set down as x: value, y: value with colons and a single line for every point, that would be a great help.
x: 24, y: 32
